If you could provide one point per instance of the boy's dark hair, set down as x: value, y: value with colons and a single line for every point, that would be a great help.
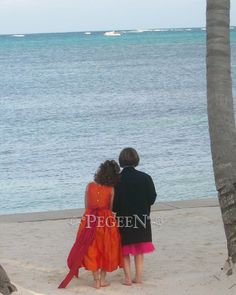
x: 128, y: 157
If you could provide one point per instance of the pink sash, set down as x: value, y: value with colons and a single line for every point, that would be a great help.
x: 80, y: 249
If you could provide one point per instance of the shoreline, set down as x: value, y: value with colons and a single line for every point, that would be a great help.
x: 77, y: 213
x: 190, y: 251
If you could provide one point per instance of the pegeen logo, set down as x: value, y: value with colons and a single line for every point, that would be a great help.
x: 133, y: 221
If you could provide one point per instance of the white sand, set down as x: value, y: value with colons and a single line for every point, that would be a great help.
x: 190, y: 244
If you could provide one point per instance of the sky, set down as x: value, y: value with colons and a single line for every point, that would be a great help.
x: 40, y: 16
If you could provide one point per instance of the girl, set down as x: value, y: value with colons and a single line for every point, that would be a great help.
x: 97, y: 246
x: 134, y: 195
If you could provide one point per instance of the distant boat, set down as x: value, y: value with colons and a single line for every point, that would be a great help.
x: 141, y: 31
x: 87, y: 33
x: 112, y: 33
x: 18, y: 35
x: 160, y: 30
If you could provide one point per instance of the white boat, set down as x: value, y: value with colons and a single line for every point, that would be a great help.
x: 87, y: 33
x: 112, y: 33
x: 160, y: 30
x: 18, y: 35
x: 141, y: 31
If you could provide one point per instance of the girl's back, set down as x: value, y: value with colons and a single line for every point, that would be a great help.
x: 98, y: 196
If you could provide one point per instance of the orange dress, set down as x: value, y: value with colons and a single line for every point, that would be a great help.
x: 98, y: 242
x: 105, y: 251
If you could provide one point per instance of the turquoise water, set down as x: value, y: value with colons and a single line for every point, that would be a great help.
x: 69, y: 101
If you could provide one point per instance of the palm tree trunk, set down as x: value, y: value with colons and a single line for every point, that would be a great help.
x: 6, y: 287
x: 221, y: 115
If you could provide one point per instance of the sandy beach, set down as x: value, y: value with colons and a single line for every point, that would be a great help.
x: 190, y: 251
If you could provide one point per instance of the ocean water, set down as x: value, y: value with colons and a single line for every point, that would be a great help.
x: 71, y: 100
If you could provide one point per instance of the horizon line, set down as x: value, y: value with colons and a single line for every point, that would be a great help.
x: 107, y: 30
x: 96, y: 31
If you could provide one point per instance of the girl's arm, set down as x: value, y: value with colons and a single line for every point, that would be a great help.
x: 112, y: 199
x: 86, y: 197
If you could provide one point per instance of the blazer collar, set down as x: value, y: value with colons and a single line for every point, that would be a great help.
x: 127, y: 168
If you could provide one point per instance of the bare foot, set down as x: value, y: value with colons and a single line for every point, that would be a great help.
x: 104, y: 284
x: 127, y: 282
x: 136, y: 281
x: 96, y: 284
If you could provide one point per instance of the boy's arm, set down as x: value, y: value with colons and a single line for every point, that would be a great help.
x: 151, y: 191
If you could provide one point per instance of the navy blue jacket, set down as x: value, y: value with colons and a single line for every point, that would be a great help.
x: 134, y: 195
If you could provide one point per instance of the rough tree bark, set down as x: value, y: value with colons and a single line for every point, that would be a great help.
x: 221, y: 116
x: 6, y: 287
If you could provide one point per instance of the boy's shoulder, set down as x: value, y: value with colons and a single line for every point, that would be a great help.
x: 143, y: 174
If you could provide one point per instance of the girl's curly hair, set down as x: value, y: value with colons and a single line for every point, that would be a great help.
x: 108, y: 173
